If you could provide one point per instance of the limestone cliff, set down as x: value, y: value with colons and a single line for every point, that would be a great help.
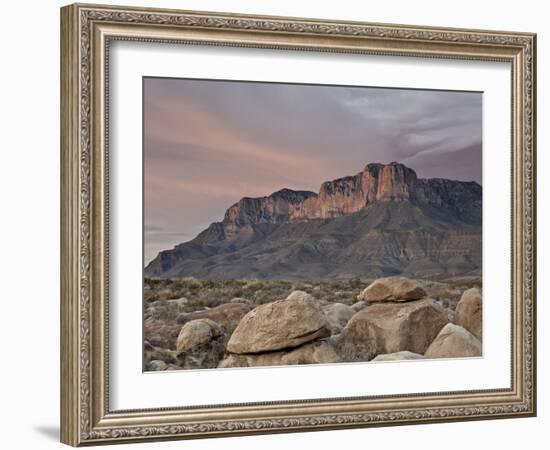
x: 383, y: 220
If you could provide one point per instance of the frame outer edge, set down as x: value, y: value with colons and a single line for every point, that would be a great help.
x: 533, y: 236
x: 70, y: 299
x: 79, y: 336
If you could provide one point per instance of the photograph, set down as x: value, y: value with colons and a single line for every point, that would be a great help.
x: 288, y: 224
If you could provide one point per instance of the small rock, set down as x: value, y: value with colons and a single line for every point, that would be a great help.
x: 156, y: 365
x: 178, y: 302
x: 300, y: 296
x: 395, y: 289
x: 241, y: 300
x: 450, y: 314
x: 398, y: 356
x: 454, y: 341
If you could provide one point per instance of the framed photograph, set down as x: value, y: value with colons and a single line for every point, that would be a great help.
x: 275, y: 224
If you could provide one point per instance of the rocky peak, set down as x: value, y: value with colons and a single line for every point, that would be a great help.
x: 396, y: 182
x: 376, y: 183
x: 273, y: 209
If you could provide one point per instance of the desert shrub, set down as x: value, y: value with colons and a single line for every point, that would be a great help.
x: 231, y: 284
x: 254, y: 285
x: 203, y: 302
x: 356, y: 283
x: 297, y: 286
x: 208, y: 283
x: 238, y: 292
x: 463, y: 283
x: 190, y: 282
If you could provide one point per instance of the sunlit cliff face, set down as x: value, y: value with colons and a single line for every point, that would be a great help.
x: 376, y: 183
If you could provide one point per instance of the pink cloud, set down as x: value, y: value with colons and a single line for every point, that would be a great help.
x: 187, y: 124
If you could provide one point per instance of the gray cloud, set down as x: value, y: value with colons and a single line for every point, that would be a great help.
x: 208, y: 143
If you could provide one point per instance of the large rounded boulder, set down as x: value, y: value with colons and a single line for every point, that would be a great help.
x: 454, y: 341
x: 390, y: 328
x: 281, y: 324
x: 393, y: 289
x: 469, y: 312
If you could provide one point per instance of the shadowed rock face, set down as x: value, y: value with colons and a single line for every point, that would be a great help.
x: 385, y: 214
x: 390, y: 328
x: 316, y: 352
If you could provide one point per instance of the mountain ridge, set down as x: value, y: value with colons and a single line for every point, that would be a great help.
x: 389, y: 214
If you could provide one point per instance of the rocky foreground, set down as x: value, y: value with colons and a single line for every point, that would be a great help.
x: 393, y: 318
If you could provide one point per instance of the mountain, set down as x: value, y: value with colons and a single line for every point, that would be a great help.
x: 382, y: 221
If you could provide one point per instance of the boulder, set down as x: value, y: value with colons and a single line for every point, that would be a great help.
x: 469, y: 312
x: 338, y: 315
x: 197, y: 333
x: 318, y: 352
x: 391, y: 328
x: 156, y: 365
x: 395, y: 289
x: 399, y: 356
x: 281, y: 324
x: 454, y: 341
x: 227, y: 316
x: 200, y: 344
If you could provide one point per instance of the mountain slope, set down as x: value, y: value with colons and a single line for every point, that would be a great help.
x: 382, y: 221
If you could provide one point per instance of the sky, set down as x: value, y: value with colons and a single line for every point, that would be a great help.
x: 208, y: 143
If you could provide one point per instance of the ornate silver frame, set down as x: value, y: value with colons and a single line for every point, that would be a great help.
x: 86, y: 31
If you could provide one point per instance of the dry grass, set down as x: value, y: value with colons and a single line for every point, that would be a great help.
x: 210, y: 293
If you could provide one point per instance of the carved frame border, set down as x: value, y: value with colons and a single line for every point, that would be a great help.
x: 86, y: 31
